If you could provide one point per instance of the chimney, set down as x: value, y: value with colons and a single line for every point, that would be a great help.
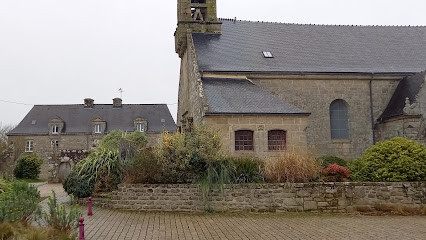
x: 88, y: 103
x: 117, y: 103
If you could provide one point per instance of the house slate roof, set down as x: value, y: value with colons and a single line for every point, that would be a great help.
x: 227, y: 96
x: 408, y: 87
x: 311, y: 48
x: 78, y: 119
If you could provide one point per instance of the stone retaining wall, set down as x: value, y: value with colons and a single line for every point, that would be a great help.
x: 325, y: 197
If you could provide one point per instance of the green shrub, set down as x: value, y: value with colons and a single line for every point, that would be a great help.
x: 327, y: 160
x: 292, y: 167
x: 173, y: 157
x: 112, y: 140
x: 397, y: 159
x: 185, y: 157
x: 143, y: 168
x: 58, y: 217
x: 247, y: 170
x: 77, y: 186
x: 28, y: 166
x: 102, y: 168
x: 137, y: 138
x: 19, y: 203
x: 5, y: 185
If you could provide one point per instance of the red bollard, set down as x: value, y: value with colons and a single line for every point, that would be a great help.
x: 81, y: 228
x: 89, y: 213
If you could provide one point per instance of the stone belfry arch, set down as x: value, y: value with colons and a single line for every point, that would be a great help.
x: 195, y: 16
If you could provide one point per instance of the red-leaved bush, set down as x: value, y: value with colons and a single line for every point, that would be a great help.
x: 335, y: 173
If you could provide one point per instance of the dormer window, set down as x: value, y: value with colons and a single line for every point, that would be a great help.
x: 55, y: 129
x: 98, y: 128
x: 56, y: 126
x: 140, y: 127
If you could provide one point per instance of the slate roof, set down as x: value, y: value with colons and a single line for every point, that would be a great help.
x: 408, y: 87
x: 240, y: 96
x: 79, y: 119
x: 312, y: 48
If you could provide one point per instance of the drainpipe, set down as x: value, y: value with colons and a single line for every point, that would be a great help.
x: 371, y: 108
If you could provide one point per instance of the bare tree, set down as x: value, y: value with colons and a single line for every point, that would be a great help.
x: 4, y: 129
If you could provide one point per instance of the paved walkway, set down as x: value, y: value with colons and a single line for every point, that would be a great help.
x: 113, y: 224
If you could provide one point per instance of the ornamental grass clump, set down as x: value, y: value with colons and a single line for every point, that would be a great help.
x: 292, y: 167
x: 100, y: 172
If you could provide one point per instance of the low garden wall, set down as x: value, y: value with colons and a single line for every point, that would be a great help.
x: 325, y: 197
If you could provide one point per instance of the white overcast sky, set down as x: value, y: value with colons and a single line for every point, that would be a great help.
x: 62, y: 51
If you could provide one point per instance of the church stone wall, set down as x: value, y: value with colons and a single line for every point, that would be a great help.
x: 315, y: 93
x: 191, y: 94
x: 410, y: 127
x: 295, y: 126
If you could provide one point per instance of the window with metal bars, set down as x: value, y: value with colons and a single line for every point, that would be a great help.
x: 276, y: 140
x: 244, y: 140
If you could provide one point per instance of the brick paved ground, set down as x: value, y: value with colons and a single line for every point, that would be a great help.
x: 112, y: 224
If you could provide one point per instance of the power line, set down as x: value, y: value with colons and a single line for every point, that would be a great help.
x: 12, y: 102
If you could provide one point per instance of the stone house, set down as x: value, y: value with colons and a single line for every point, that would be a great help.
x: 270, y: 87
x: 64, y: 134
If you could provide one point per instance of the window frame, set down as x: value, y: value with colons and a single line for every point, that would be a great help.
x: 29, y: 146
x: 98, y: 128
x: 54, y: 144
x: 55, y: 129
x: 140, y: 127
x: 339, y: 120
x: 238, y: 147
x: 272, y: 143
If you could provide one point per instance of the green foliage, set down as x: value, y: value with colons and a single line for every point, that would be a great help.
x: 397, y: 159
x: 58, y: 217
x: 19, y: 203
x: 173, y: 157
x: 137, y: 138
x: 112, y: 140
x: 327, y: 160
x: 101, y: 167
x: 217, y: 174
x: 5, y: 185
x: 185, y: 157
x: 144, y: 168
x: 77, y: 186
x: 28, y: 166
x: 247, y: 170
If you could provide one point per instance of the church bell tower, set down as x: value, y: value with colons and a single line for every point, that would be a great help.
x: 195, y: 16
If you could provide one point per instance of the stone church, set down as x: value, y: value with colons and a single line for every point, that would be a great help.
x: 270, y: 87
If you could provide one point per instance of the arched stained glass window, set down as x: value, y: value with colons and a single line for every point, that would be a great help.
x: 339, y: 120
